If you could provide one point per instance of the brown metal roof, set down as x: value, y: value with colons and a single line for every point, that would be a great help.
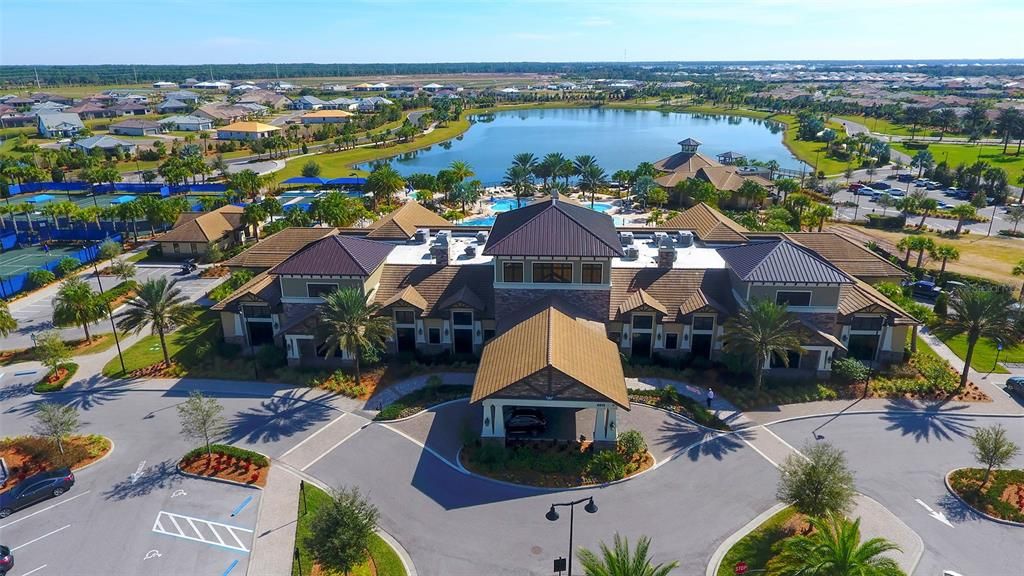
x: 553, y: 228
x: 336, y: 256
x: 679, y: 291
x: 273, y: 250
x: 403, y: 222
x: 709, y: 224
x: 552, y: 339
x: 847, y: 255
x: 781, y: 261
x: 439, y: 286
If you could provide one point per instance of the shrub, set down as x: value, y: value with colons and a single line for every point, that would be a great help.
x: 39, y: 278
x: 269, y: 356
x: 109, y: 249
x: 228, y: 349
x: 888, y: 222
x: 607, y: 466
x: 941, y: 307
x: 819, y: 484
x: 222, y: 450
x: 668, y: 396
x: 491, y: 456
x: 632, y: 444
x: 67, y: 265
x: 213, y: 254
x: 850, y: 370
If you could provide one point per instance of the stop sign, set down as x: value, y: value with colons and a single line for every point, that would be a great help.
x: 741, y: 567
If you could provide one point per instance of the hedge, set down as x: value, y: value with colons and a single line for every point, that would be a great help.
x: 233, y: 451
x: 895, y: 222
x: 42, y: 387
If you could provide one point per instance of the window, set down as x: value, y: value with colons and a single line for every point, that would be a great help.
x: 177, y: 248
x: 643, y: 322
x: 593, y: 273
x: 462, y: 318
x: 552, y: 272
x: 255, y: 311
x: 404, y: 317
x: 866, y: 323
x: 793, y: 298
x: 792, y: 356
x: 434, y: 335
x: 512, y: 272
x: 704, y: 323
x: 320, y: 290
x: 671, y: 341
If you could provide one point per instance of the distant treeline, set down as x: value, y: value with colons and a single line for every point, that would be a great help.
x: 131, y: 74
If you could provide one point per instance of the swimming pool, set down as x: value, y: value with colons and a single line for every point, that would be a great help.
x: 489, y: 221
x: 506, y: 204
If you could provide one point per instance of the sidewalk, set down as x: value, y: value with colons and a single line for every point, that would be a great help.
x: 392, y: 393
x: 274, y: 542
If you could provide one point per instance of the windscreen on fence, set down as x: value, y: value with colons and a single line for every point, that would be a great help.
x: 15, y: 283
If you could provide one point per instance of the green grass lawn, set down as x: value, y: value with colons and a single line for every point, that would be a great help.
x: 385, y: 559
x: 956, y: 154
x: 756, y: 548
x: 883, y: 126
x: 985, y: 354
x: 182, y: 346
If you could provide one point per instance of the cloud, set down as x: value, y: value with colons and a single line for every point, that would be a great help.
x: 595, y: 22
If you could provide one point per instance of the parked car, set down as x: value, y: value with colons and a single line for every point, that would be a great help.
x: 864, y: 191
x: 6, y: 560
x: 933, y: 185
x: 925, y: 289
x: 37, y: 488
x: 952, y: 191
x: 944, y: 205
x: 895, y: 192
x: 953, y: 286
x: 526, y: 421
x: 855, y: 187
x: 189, y: 266
x: 879, y: 185
x: 921, y: 182
x: 905, y: 177
x: 1015, y: 384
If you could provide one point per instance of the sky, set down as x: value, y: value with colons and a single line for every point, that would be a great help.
x: 369, y: 31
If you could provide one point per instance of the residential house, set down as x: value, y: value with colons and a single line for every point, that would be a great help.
x: 372, y: 104
x: 20, y: 102
x: 266, y: 98
x: 59, y: 124
x: 308, y: 102
x: 348, y: 104
x: 161, y: 85
x: 326, y: 117
x: 48, y: 106
x: 194, y: 233
x: 50, y: 97
x: 137, y: 128
x: 108, y: 144
x: 88, y: 109
x: 187, y: 123
x: 130, y: 108
x: 213, y: 85
x: 223, y: 112
x: 246, y: 131
x: 171, y: 106
x: 185, y: 96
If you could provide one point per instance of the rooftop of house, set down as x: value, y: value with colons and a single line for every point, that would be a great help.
x: 103, y: 142
x: 328, y: 114
x: 204, y: 227
x: 144, y: 124
x: 783, y: 261
x: 254, y: 127
x: 336, y: 255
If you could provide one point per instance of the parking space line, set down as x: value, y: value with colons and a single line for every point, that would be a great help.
x: 331, y: 449
x: 40, y: 538
x: 34, y: 570
x: 200, y: 536
x: 311, y: 436
x: 45, y: 509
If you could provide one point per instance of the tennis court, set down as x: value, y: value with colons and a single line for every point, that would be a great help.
x: 28, y: 258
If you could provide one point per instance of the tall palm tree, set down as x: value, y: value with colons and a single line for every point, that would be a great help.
x: 159, y: 304
x: 461, y: 170
x: 351, y: 324
x: 946, y: 253
x: 977, y: 313
x: 77, y: 304
x: 582, y: 162
x: 621, y: 561
x: 520, y: 179
x: 253, y: 215
x: 834, y: 549
x: 526, y: 160
x: 8, y: 323
x: 550, y: 166
x: 761, y: 330
x: 384, y: 182
x: 592, y: 178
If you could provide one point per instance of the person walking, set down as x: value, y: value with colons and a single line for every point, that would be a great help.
x: 711, y: 396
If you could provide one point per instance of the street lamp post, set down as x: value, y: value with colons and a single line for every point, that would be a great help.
x: 110, y: 315
x: 552, y: 515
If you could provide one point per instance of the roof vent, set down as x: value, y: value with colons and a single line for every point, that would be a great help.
x: 481, y: 237
x: 658, y: 237
x: 631, y: 253
x: 684, y: 238
x: 441, y: 238
x: 422, y: 235
x: 626, y: 238
x: 471, y: 250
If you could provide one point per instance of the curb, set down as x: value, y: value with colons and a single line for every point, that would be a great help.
x: 719, y: 554
x: 215, y: 479
x: 972, y: 508
x: 67, y: 383
x: 869, y: 412
x: 100, y: 459
x: 421, y: 412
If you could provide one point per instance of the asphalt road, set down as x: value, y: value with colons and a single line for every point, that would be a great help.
x: 34, y: 312
x: 902, y: 458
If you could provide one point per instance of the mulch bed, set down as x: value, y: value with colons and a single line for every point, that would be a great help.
x: 570, y: 472
x: 215, y: 272
x: 1003, y: 496
x: 28, y: 455
x: 227, y: 468
x: 971, y: 393
x: 158, y: 370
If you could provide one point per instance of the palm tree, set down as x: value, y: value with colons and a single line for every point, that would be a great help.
x: 253, y: 215
x: 820, y: 213
x: 945, y: 252
x: 621, y: 561
x: 1018, y: 270
x: 160, y: 305
x: 7, y: 322
x: 582, y: 162
x: 461, y: 170
x: 384, y: 182
x: 549, y: 166
x: 761, y: 330
x: 525, y: 160
x: 592, y: 178
x: 963, y: 212
x: 835, y: 549
x: 977, y: 313
x: 520, y: 179
x: 926, y: 206
x: 351, y: 324
x: 77, y: 304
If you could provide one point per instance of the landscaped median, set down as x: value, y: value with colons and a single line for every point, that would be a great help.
x: 227, y: 463
x: 56, y: 378
x: 425, y: 398
x: 1001, y: 497
x: 28, y: 455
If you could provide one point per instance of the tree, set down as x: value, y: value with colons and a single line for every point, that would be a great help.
x: 818, y: 483
x: 56, y: 422
x: 341, y: 529
x: 351, y: 324
x: 963, y: 212
x: 697, y: 191
x: 8, y: 323
x: 520, y: 180
x: 1015, y: 215
x: 761, y: 330
x: 122, y: 269
x: 657, y: 197
x: 201, y: 419
x: 311, y: 169
x: 977, y: 313
x: 252, y: 216
x: 51, y: 350
x: 384, y: 182
x: 834, y: 548
x: 1018, y: 270
x: 77, y: 304
x: 461, y: 170
x: 592, y: 177
x: 247, y: 182
x: 620, y: 560
x: 1007, y: 125
x: 915, y: 116
x: 272, y: 207
x: 818, y: 214
x: 160, y: 305
x: 992, y: 449
x: 642, y: 187
x: 946, y: 119
x: 926, y: 206
x: 752, y: 192
x: 946, y: 253
x: 786, y: 186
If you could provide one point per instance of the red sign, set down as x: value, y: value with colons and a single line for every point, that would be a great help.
x: 741, y: 568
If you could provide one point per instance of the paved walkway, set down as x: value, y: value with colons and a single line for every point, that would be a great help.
x: 274, y: 540
x: 389, y: 395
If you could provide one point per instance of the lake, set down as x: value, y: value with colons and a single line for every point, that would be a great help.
x: 619, y: 139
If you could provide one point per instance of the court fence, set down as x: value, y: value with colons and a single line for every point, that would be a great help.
x: 15, y: 283
x: 129, y: 187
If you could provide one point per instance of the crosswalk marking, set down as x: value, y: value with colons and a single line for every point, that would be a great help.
x: 192, y: 531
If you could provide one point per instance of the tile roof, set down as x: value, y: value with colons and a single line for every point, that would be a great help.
x: 685, y: 163
x: 639, y: 299
x: 861, y: 296
x: 553, y: 228
x: 328, y: 114
x: 781, y: 261
x: 102, y: 142
x: 273, y: 250
x: 679, y: 291
x: 204, y: 227
x: 54, y: 119
x: 402, y: 223
x: 552, y: 339
x: 336, y: 256
x: 438, y: 285
x: 848, y: 256
x: 248, y: 127
x: 710, y: 225
x: 407, y: 295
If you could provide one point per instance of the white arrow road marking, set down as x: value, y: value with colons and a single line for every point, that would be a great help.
x: 179, y: 493
x: 937, y: 515
x: 138, y: 472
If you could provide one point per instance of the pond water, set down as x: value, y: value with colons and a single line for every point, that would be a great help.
x: 619, y: 139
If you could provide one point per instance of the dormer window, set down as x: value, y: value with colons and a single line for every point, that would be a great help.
x: 592, y: 273
x: 552, y: 272
x: 512, y: 272
x: 793, y: 298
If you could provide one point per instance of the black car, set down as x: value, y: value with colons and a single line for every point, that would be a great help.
x: 1016, y: 385
x: 526, y: 421
x: 189, y: 266
x: 925, y: 289
x: 36, y: 489
x: 6, y: 560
